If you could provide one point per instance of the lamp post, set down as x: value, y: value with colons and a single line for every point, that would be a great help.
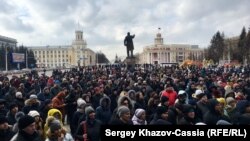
x: 26, y: 59
x: 6, y: 57
x: 96, y: 57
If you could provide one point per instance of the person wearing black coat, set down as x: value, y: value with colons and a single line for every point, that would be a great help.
x: 189, y: 117
x: 215, y: 113
x: 27, y: 130
x: 161, y: 116
x: 90, y: 128
x: 123, y: 117
x: 103, y: 112
x: 5, y: 131
x: 3, y: 109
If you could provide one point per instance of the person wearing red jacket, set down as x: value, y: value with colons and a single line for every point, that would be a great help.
x: 58, y: 103
x: 170, y: 93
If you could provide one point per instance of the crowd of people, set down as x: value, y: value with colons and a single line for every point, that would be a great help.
x: 35, y: 108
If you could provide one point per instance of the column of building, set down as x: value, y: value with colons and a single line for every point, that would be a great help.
x: 61, y: 56
x: 46, y: 58
x: 53, y: 63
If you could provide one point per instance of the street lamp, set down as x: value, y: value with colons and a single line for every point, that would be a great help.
x: 26, y: 59
x: 6, y: 57
x: 96, y: 58
x: 78, y: 63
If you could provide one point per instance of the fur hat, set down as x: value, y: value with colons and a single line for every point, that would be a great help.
x: 25, y: 121
x: 122, y: 110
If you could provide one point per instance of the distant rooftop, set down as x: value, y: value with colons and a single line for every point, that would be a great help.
x: 8, y: 39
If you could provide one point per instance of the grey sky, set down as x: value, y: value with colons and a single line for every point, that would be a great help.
x: 106, y: 22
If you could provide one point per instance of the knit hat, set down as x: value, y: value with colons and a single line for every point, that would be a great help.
x: 187, y: 108
x: 89, y: 110
x: 47, y: 101
x: 200, y: 123
x: 55, y: 125
x: 164, y: 99
x: 25, y: 121
x: 230, y: 100
x: 244, y: 119
x: 161, y: 109
x: 33, y: 113
x: 221, y: 100
x: 3, y: 119
x: 229, y: 93
x: 199, y: 94
x: 181, y: 92
x: 33, y: 96
x: 19, y: 94
x: 139, y: 112
x: 223, y: 122
x: 2, y: 101
x: 12, y: 105
x: 18, y: 115
x: 122, y: 110
x: 80, y: 102
x: 57, y: 82
x: 192, y: 102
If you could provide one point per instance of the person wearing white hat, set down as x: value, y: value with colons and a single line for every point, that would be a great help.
x: 19, y: 94
x: 38, y: 122
x: 202, y: 102
x: 182, y: 97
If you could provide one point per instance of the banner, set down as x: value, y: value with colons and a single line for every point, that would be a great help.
x: 18, y: 57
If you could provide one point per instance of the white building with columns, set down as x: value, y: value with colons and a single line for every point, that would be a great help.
x: 160, y: 53
x: 76, y: 54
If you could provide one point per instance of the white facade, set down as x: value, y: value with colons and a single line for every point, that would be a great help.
x: 7, y: 41
x: 76, y: 54
x: 160, y: 53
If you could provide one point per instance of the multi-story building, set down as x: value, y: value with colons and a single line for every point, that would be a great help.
x: 231, y: 45
x: 76, y: 54
x: 7, y: 42
x: 160, y: 53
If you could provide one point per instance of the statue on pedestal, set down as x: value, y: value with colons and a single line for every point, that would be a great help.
x: 128, y: 42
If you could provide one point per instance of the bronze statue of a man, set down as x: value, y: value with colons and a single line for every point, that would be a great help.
x: 128, y: 42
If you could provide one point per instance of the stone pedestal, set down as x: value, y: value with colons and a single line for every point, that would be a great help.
x: 130, y: 62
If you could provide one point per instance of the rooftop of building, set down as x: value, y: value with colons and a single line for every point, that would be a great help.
x: 7, y: 39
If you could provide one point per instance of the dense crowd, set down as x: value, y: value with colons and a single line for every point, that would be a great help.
x: 34, y: 107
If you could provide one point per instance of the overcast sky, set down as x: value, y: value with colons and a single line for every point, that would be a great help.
x: 105, y: 23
